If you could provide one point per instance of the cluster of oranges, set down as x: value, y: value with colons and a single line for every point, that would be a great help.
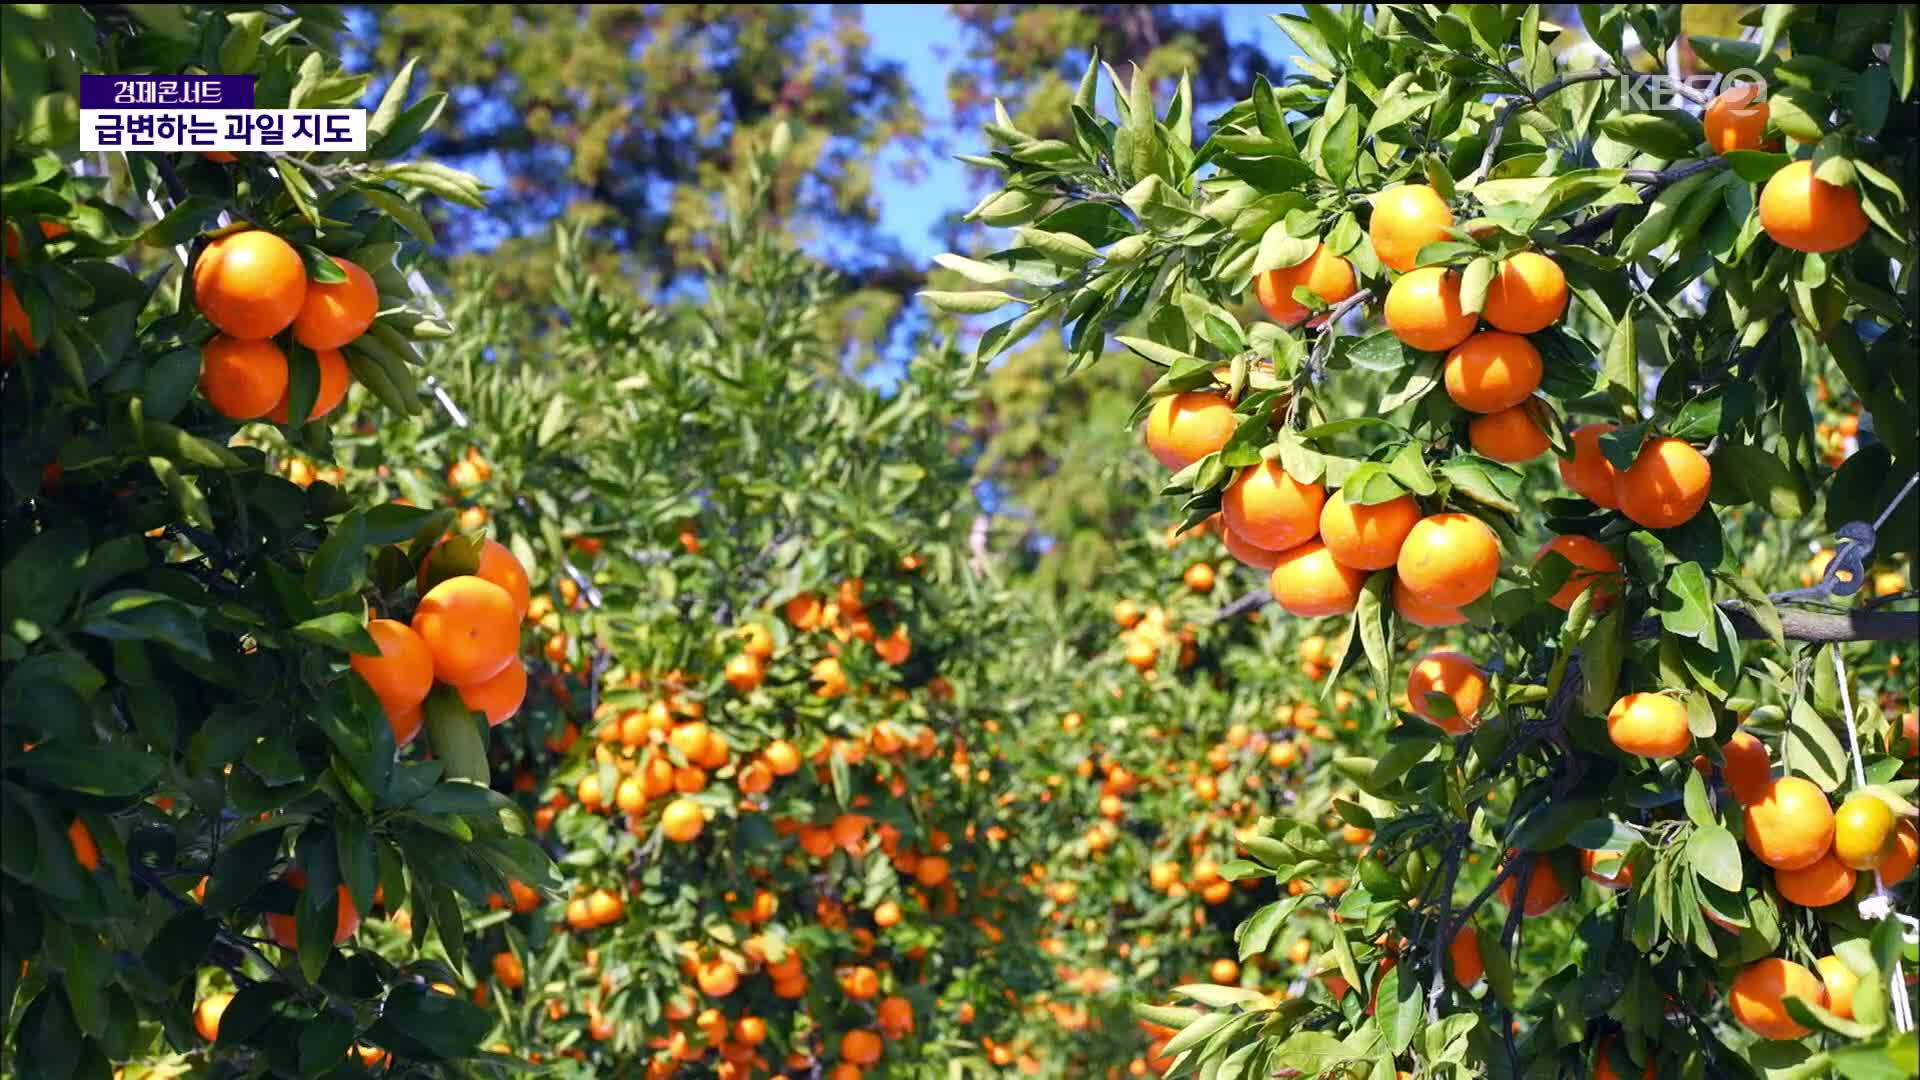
x: 465, y: 634
x: 252, y: 286
x: 844, y: 616
x: 1144, y: 631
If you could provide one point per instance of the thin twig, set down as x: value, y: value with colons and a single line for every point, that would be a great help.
x: 1530, y: 98
x: 1655, y: 183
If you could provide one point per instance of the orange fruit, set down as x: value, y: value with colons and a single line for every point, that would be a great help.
x: 860, y: 983
x: 1421, y: 613
x: 895, y: 1015
x: 1791, y: 825
x: 860, y: 1047
x: 1839, y: 981
x: 1224, y: 971
x: 1183, y: 428
x: 691, y: 739
x: 830, y: 679
x: 1588, y: 472
x: 333, y: 387
x: 1491, y: 371
x: 1406, y: 219
x: 402, y: 673
x: 405, y: 725
x: 1453, y: 676
x: 250, y: 285
x: 803, y: 611
x: 744, y: 672
x: 207, y: 1013
x: 333, y: 315
x: 1449, y: 559
x: 755, y: 778
x: 931, y: 871
x: 1270, y: 509
x: 1423, y: 310
x: 499, y: 696
x: 1649, y: 725
x: 755, y: 641
x: 16, y: 326
x: 1199, y: 578
x: 1322, y: 273
x: 1666, y: 485
x: 1527, y: 294
x: 1249, y: 554
x: 1309, y: 583
x: 1593, y: 565
x: 1603, y: 1068
x: 781, y: 757
x: 242, y: 379
x: 1760, y: 991
x: 508, y: 970
x: 1510, y: 435
x: 499, y: 565
x: 1367, y: 537
x: 85, y: 851
x: 604, y: 908
x: 1827, y: 881
x: 1543, y: 888
x: 1607, y: 869
x: 1735, y: 121
x: 896, y: 647
x: 717, y: 978
x: 1899, y: 861
x: 49, y: 230
x: 1747, y: 769
x: 1463, y: 955
x: 750, y: 1031
x: 285, y: 930
x: 1863, y: 832
x: 1803, y: 212
x: 470, y: 627
x: 682, y: 820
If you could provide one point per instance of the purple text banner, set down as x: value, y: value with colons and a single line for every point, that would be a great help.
x: 103, y: 92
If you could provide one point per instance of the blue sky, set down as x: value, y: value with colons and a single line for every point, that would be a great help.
x: 915, y: 34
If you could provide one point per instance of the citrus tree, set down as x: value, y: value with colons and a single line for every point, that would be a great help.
x: 759, y: 737
x: 201, y: 799
x: 1637, y: 803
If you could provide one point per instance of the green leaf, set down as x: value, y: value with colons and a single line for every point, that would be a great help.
x: 967, y: 303
x: 1473, y: 284
x: 1715, y: 855
x: 1889, y: 1060
x: 392, y: 101
x: 1686, y: 604
x: 1669, y: 134
x: 1812, y: 749
x: 339, y: 561
x: 1799, y: 112
x: 1342, y: 146
x: 341, y: 630
x: 187, y: 219
x: 139, y: 615
x: 421, y: 1024
x: 1219, y: 997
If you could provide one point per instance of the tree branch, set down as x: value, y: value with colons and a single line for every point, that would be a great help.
x: 1254, y: 599
x: 1655, y: 182
x: 1814, y: 626
x: 1531, y: 97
